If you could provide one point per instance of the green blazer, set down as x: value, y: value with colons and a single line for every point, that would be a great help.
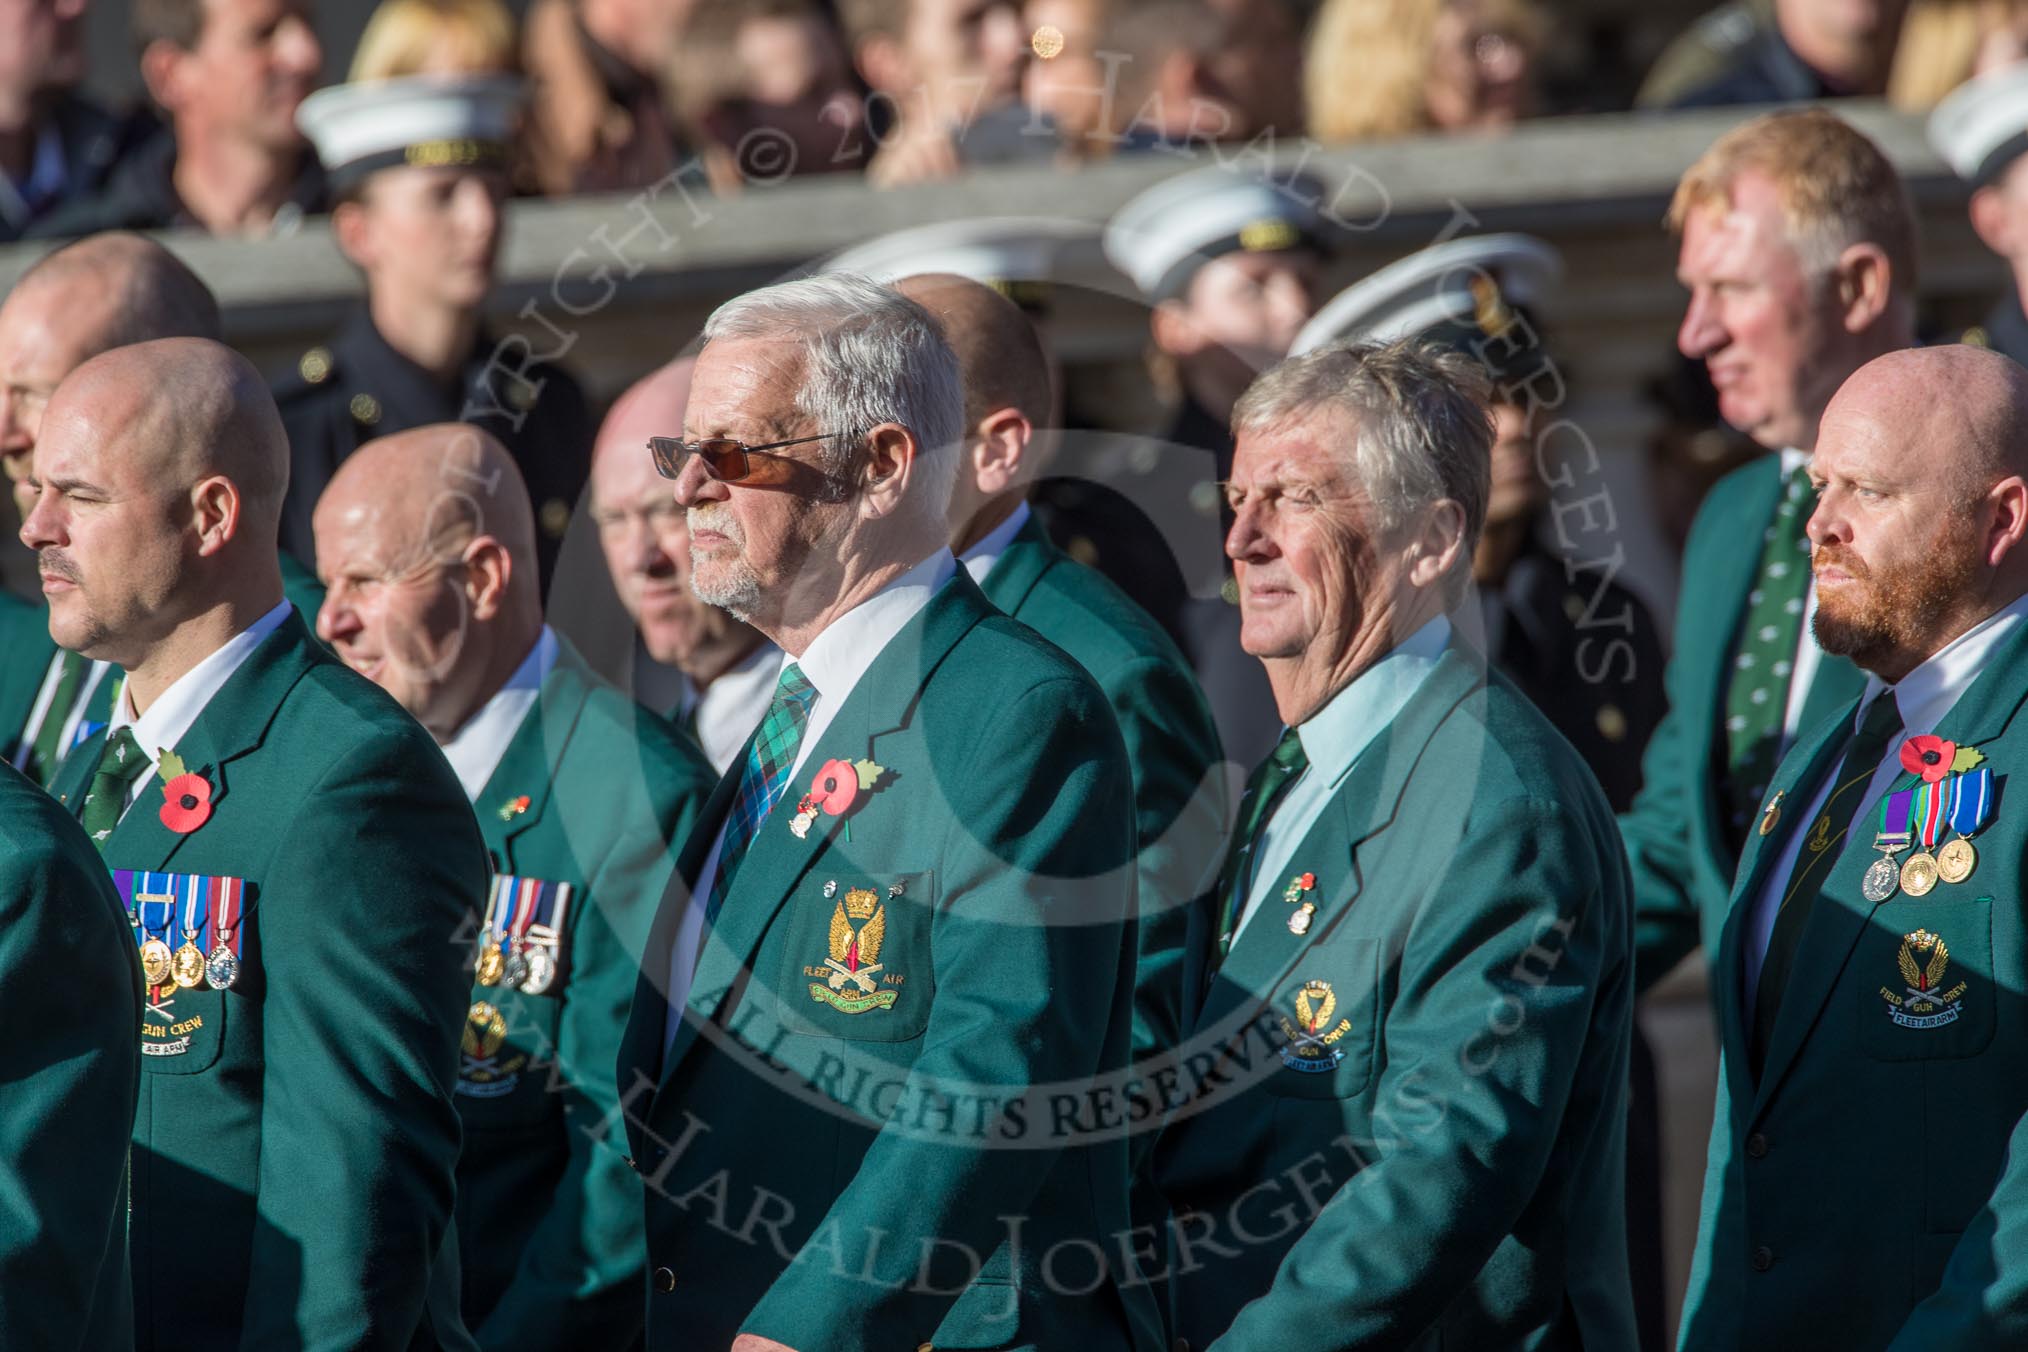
x: 596, y: 792
x: 1405, y: 1127
x: 1871, y: 1188
x: 26, y: 649
x: 1172, y: 749
x: 70, y: 982
x: 892, y: 1132
x: 1675, y: 832
x: 294, y: 1153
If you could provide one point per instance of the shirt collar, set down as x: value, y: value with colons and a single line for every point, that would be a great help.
x: 177, y: 708
x: 838, y: 657
x: 475, y: 750
x: 981, y: 557
x: 1928, y: 693
x: 1334, y: 736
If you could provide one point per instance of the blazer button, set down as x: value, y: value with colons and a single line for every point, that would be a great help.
x: 1756, y: 1146
x: 665, y: 1280
x: 1763, y: 1258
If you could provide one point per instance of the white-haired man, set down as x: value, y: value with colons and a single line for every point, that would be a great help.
x: 904, y: 936
x: 1421, y: 985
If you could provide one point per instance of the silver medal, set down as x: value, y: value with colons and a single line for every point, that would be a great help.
x: 221, y: 969
x: 541, y: 971
x: 1882, y: 880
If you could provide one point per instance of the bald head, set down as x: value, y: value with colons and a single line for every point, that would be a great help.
x: 1922, y: 504
x: 426, y: 547
x: 158, y: 484
x: 102, y: 292
x: 999, y: 354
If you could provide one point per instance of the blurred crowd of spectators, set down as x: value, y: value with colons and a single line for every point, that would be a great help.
x: 622, y: 93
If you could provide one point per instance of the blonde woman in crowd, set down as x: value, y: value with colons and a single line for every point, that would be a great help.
x: 1379, y: 68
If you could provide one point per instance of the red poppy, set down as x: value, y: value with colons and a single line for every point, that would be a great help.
x: 186, y: 803
x: 1929, y: 756
x: 1308, y: 880
x: 835, y: 787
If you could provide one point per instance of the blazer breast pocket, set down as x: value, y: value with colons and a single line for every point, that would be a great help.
x: 1325, y: 1010
x: 197, y: 959
x: 856, y: 956
x: 1924, y: 988
x: 506, y: 1054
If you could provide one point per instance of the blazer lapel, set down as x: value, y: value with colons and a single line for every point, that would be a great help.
x: 1361, y: 810
x: 881, y: 704
x: 234, y: 722
x: 528, y: 766
x: 1840, y: 916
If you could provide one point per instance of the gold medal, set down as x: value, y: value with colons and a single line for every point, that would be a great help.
x: 491, y: 964
x: 1955, y: 861
x: 1919, y: 874
x: 187, y: 967
x: 155, y: 962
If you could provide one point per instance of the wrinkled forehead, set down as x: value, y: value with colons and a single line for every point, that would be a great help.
x: 1741, y: 236
x: 744, y: 386
x: 1313, y: 447
x: 623, y: 471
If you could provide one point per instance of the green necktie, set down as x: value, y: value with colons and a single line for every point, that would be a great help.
x: 47, y: 749
x: 769, y: 758
x: 1264, y: 789
x: 120, y: 764
x: 1863, y: 755
x: 1764, y: 657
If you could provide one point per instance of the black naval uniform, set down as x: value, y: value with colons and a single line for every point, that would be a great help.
x: 140, y: 194
x: 1149, y: 515
x: 356, y: 388
x: 2005, y: 329
x: 92, y: 140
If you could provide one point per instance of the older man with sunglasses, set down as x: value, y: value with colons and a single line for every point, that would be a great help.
x: 867, y: 1076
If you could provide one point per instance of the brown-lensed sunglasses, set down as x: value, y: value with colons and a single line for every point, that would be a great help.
x: 725, y: 459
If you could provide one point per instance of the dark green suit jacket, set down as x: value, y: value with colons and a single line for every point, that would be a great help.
x: 1406, y: 1126
x: 71, y: 986
x: 293, y: 1163
x: 549, y: 1214
x: 891, y: 1131
x: 1870, y: 1189
x: 1172, y: 749
x: 1676, y: 830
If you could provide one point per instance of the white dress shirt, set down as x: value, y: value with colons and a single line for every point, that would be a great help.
x: 46, y: 696
x: 833, y: 664
x: 1808, y: 654
x: 1924, y: 697
x: 1332, y: 739
x: 733, y: 705
x: 176, y: 708
x: 475, y: 749
x: 981, y: 557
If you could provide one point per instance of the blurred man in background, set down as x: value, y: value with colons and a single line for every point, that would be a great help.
x: 54, y: 144
x: 420, y: 166
x: 230, y: 74
x: 1801, y: 50
x: 947, y: 76
x: 725, y: 668
x: 582, y: 797
x: 1981, y: 131
x: 100, y: 293
x: 767, y: 92
x: 1798, y: 252
x: 598, y: 121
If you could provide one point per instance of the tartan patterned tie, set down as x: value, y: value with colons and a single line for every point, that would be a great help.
x: 47, y: 749
x: 120, y: 764
x: 1264, y: 789
x: 1863, y: 755
x: 769, y: 758
x: 1764, y: 657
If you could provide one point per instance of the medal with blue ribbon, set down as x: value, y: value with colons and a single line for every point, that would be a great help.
x: 187, y: 966
x: 1971, y: 803
x: 158, y: 909
x: 492, y: 961
x: 1883, y: 876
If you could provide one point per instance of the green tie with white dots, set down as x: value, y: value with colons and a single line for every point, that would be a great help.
x: 120, y: 764
x: 1764, y: 656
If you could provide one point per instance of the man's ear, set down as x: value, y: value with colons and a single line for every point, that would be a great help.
x: 215, y: 508
x: 891, y: 452
x: 162, y: 67
x: 999, y: 450
x: 488, y: 569
x: 352, y: 231
x: 1865, y: 285
x: 1173, y: 330
x: 2009, y: 499
x: 1437, y: 544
